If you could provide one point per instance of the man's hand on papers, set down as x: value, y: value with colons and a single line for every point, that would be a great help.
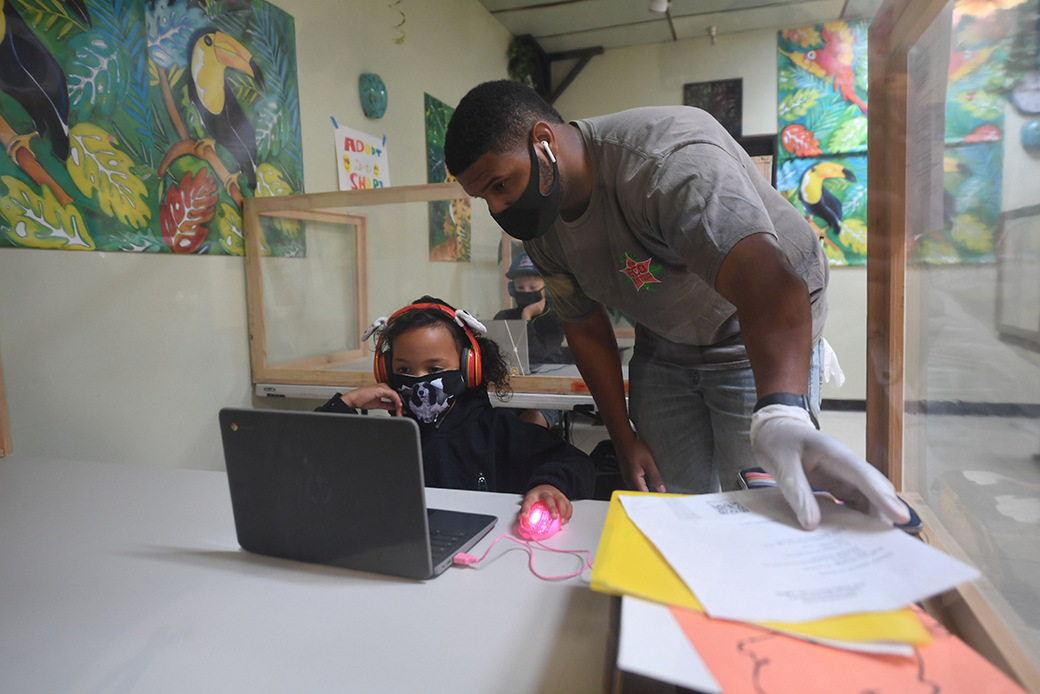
x: 799, y: 457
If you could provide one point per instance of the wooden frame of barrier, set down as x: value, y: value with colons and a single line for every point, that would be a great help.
x: 345, y: 207
x: 298, y: 370
x: 971, y: 610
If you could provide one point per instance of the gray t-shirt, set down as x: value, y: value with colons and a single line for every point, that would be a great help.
x: 672, y: 194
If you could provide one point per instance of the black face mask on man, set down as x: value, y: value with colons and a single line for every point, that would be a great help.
x: 533, y: 213
x: 428, y: 398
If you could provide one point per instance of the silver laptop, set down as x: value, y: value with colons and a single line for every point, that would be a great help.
x: 511, y: 336
x: 338, y: 489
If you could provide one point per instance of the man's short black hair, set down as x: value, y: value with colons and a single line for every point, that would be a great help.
x: 494, y: 116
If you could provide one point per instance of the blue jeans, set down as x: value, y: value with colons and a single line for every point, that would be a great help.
x: 697, y: 422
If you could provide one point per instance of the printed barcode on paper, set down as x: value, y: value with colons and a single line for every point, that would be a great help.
x: 726, y: 508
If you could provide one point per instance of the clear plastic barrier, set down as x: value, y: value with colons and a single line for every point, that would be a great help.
x: 971, y: 437
x: 311, y: 302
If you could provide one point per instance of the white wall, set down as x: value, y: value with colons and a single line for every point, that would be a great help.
x: 654, y: 75
x: 127, y: 358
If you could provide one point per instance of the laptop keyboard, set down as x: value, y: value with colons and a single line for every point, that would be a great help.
x: 441, y: 541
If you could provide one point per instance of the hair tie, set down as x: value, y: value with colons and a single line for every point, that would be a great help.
x: 376, y: 325
x: 464, y: 319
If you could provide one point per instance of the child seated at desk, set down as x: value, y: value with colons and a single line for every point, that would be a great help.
x: 544, y: 326
x: 433, y: 364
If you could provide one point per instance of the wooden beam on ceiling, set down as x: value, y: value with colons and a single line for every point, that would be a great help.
x: 584, y: 55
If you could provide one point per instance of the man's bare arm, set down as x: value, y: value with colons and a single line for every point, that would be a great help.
x: 772, y: 303
x: 595, y: 351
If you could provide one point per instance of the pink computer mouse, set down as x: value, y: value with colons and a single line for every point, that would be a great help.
x: 538, y: 524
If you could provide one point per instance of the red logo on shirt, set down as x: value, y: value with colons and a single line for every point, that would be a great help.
x: 640, y: 272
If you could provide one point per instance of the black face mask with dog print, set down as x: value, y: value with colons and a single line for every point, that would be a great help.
x: 428, y: 398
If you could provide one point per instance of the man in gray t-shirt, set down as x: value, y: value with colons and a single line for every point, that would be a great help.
x: 658, y: 213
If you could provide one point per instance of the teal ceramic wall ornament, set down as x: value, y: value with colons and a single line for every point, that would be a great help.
x: 1031, y: 136
x: 373, y: 94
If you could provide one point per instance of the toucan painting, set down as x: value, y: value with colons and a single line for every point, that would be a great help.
x: 210, y: 54
x: 818, y: 200
x: 30, y: 75
x: 136, y: 125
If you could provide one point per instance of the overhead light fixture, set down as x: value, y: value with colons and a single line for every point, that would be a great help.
x: 659, y: 6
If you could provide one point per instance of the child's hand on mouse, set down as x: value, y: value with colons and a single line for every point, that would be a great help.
x: 374, y: 398
x: 555, y: 500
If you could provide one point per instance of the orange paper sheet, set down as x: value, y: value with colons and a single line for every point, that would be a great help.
x: 748, y: 660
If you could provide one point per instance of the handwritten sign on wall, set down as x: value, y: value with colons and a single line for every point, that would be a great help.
x: 362, y: 159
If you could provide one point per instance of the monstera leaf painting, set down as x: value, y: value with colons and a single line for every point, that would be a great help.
x: 124, y: 149
x: 449, y: 219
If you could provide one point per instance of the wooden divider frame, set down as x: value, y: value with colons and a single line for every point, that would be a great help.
x: 967, y: 611
x: 299, y: 370
x: 344, y: 207
x: 5, y: 426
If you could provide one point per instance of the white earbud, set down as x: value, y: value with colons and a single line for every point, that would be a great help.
x: 545, y: 146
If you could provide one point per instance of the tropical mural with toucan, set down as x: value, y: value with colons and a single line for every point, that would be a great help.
x: 130, y: 126
x: 822, y: 132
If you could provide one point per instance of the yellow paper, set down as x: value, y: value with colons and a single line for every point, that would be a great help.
x: 627, y: 563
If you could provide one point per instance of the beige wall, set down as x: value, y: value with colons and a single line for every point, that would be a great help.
x: 127, y: 358
x: 654, y: 75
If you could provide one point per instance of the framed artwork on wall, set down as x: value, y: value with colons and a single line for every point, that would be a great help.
x: 723, y: 99
x: 450, y: 220
x: 160, y: 118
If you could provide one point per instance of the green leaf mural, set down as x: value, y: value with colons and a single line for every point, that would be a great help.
x: 39, y: 220
x: 850, y: 135
x: 450, y: 221
x: 119, y: 145
x: 794, y: 106
x: 97, y: 75
x: 97, y: 165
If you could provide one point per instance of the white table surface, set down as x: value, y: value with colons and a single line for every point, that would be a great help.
x: 118, y: 578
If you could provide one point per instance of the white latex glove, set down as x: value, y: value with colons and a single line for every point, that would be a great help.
x: 798, y: 457
x: 831, y: 367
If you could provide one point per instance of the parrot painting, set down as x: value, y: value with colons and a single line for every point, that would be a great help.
x: 833, y: 61
x: 819, y: 201
x: 30, y: 75
x: 210, y: 54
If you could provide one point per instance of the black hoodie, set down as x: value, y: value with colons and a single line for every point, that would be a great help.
x: 480, y: 447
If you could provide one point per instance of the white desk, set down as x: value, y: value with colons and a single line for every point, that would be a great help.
x: 129, y: 579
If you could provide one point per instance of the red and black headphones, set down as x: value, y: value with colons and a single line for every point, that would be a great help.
x: 469, y: 360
